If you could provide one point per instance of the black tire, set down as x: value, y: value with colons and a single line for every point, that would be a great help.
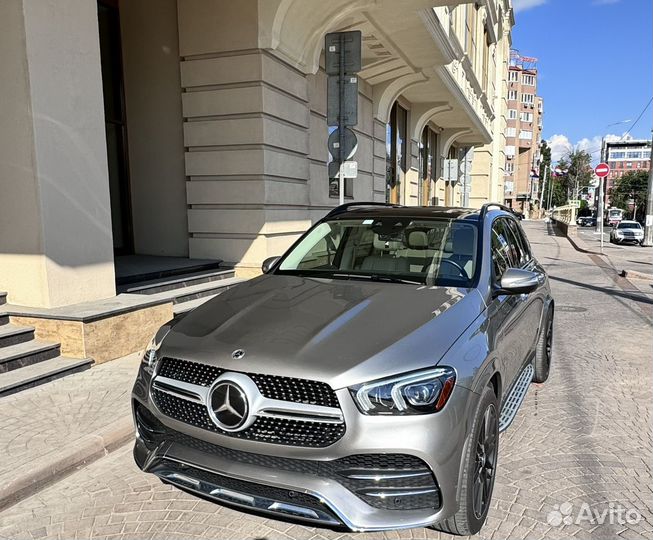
x: 542, y: 363
x: 478, y: 457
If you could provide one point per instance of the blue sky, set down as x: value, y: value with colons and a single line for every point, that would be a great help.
x: 595, y: 66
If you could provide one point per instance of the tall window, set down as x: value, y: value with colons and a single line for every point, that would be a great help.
x: 428, y: 165
x: 528, y: 99
x: 395, y: 144
x: 486, y: 59
x: 470, y: 32
x: 526, y: 116
x: 529, y: 80
x: 513, y: 76
x: 512, y: 114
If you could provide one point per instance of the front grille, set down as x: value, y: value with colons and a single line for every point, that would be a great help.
x: 284, y: 431
x: 341, y: 470
x: 271, y: 386
x: 190, y: 372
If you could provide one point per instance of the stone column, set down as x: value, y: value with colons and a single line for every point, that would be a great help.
x: 246, y: 122
x: 55, y: 219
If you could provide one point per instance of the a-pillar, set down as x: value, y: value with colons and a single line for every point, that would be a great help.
x: 55, y: 220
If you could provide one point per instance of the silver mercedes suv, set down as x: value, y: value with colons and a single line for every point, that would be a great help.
x: 362, y: 381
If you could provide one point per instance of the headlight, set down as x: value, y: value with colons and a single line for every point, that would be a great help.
x: 422, y: 392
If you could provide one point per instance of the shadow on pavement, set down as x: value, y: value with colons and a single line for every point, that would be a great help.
x: 611, y: 292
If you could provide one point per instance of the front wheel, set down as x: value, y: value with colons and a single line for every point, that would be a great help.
x: 479, y: 470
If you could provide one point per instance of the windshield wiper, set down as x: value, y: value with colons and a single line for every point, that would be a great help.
x: 377, y: 277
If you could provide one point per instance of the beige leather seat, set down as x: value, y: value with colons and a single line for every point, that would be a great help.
x: 384, y: 258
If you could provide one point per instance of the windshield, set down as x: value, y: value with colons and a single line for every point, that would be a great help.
x: 614, y: 213
x: 629, y: 225
x: 420, y: 251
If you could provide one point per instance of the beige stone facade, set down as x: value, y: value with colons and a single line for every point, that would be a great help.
x: 212, y: 139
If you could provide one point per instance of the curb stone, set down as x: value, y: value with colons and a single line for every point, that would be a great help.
x: 635, y: 274
x: 31, y: 477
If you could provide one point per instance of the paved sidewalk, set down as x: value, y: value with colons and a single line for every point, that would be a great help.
x: 50, y: 429
x: 631, y: 261
x: 580, y: 443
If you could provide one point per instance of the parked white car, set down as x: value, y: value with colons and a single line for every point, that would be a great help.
x: 627, y: 231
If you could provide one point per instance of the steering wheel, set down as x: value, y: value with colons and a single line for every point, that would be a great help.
x: 460, y: 269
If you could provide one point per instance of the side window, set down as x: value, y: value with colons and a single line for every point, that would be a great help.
x: 519, y: 257
x: 500, y: 249
x: 526, y: 247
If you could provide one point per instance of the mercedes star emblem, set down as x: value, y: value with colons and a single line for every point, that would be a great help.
x: 229, y: 406
x: 237, y: 354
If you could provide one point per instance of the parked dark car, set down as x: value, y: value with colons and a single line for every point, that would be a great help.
x: 362, y: 380
x: 586, y: 221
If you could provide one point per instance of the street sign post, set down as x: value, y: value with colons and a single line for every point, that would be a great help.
x: 349, y: 143
x: 342, y: 60
x: 601, y: 171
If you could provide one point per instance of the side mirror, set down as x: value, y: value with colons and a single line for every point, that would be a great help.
x: 268, y: 264
x: 518, y: 281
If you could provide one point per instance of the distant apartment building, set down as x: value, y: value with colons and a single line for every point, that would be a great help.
x: 523, y: 135
x: 623, y: 157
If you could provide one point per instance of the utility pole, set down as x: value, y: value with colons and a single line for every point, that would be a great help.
x: 648, y: 224
x: 546, y: 168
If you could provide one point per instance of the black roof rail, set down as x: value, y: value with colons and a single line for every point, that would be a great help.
x: 347, y: 206
x: 486, y: 207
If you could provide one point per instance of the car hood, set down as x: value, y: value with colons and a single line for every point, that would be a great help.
x: 339, y: 332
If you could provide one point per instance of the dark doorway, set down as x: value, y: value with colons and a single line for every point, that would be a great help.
x: 116, y: 126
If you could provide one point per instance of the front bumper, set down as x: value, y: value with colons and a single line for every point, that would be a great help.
x: 299, y: 483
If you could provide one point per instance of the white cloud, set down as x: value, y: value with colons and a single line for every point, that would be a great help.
x: 523, y: 5
x: 561, y: 145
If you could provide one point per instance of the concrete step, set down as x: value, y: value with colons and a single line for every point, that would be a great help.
x: 40, y: 373
x: 12, y: 335
x: 171, y: 283
x: 185, y: 307
x: 152, y: 272
x: 193, y: 292
x: 25, y: 354
x: 3, y: 297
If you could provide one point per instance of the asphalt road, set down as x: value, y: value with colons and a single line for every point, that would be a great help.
x: 576, y: 462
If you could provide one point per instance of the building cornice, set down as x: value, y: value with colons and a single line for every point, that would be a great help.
x: 439, y: 34
x: 452, y: 85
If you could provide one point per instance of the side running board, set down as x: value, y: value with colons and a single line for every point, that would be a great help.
x: 514, y: 400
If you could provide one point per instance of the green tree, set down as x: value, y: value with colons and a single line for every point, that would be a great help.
x: 632, y: 185
x: 578, y: 164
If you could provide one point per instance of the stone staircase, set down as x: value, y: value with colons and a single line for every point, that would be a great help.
x: 26, y: 361
x: 186, y: 291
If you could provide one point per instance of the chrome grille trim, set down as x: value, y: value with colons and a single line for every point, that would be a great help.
x: 261, y: 406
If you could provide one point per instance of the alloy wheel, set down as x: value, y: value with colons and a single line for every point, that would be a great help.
x: 485, y: 462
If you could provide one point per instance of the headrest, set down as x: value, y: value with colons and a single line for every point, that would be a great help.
x: 417, y: 240
x: 386, y: 245
x: 463, y: 241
